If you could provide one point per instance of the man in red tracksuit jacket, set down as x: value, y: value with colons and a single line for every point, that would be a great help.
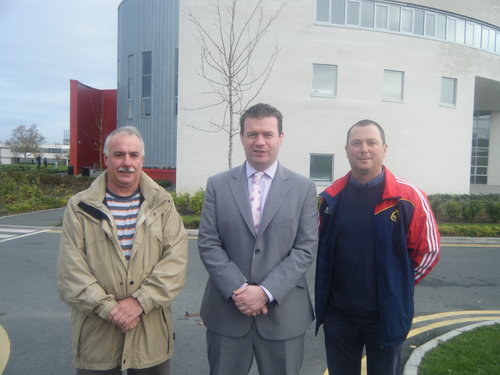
x: 378, y: 238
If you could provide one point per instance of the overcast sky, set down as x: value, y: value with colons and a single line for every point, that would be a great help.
x: 44, y: 44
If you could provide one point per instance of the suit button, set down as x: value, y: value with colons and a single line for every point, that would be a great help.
x: 257, y: 251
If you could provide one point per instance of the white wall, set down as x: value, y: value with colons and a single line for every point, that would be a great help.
x: 430, y: 145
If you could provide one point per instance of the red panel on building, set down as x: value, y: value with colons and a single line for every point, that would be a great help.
x: 92, y: 118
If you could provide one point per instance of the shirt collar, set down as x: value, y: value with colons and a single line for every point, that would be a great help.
x: 270, y: 172
x: 376, y: 181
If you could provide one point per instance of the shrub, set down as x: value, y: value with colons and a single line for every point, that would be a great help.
x: 471, y: 209
x: 453, y: 210
x: 181, y: 202
x: 187, y: 204
x: 197, y: 202
x: 492, y: 209
x: 191, y: 222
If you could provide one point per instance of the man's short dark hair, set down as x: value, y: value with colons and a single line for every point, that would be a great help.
x: 366, y: 123
x: 260, y: 111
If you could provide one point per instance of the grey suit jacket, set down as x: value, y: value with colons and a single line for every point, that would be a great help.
x: 277, y: 257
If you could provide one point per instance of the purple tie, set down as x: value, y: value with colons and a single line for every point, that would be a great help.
x: 256, y: 199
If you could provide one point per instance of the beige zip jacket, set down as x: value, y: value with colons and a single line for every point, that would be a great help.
x: 93, y: 274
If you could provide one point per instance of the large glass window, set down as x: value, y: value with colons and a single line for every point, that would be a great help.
x: 406, y: 20
x: 448, y: 91
x: 393, y: 89
x: 460, y: 34
x: 469, y: 33
x: 480, y: 149
x: 419, y: 22
x: 477, y: 36
x: 338, y: 11
x: 451, y: 30
x: 382, y: 17
x: 321, y: 167
x: 147, y: 75
x: 131, y: 86
x: 430, y: 24
x: 352, y: 12
x: 324, y: 80
x: 440, y: 26
x: 394, y: 18
x: 367, y: 14
x: 415, y: 20
x: 322, y: 10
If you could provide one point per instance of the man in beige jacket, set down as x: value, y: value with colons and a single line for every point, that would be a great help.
x: 122, y: 260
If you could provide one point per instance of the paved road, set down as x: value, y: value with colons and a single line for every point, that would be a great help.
x: 37, y: 323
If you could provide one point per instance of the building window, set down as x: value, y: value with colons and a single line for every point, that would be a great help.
x: 419, y: 22
x: 146, y: 83
x: 393, y: 85
x: 353, y: 12
x: 338, y: 11
x: 322, y: 10
x: 324, y: 80
x: 382, y: 17
x: 321, y: 167
x: 480, y: 149
x: 448, y: 91
x: 430, y: 24
x: 394, y: 18
x: 131, y: 86
x: 408, y: 19
x: 368, y: 14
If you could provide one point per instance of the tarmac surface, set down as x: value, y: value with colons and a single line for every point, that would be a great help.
x: 40, y: 221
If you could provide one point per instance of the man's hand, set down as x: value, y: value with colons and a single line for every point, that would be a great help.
x: 251, y: 300
x: 126, y: 314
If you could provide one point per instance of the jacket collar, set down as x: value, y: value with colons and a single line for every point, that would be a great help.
x: 391, y: 190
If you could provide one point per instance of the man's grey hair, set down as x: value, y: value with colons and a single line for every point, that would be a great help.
x: 124, y: 130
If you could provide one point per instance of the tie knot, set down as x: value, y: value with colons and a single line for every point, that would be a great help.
x: 257, y: 176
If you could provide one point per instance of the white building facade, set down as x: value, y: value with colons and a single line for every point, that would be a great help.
x: 427, y: 71
x: 55, y: 153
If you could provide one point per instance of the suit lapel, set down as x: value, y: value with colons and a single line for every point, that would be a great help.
x: 239, y: 189
x: 276, y: 196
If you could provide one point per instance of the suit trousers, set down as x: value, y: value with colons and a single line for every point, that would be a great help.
x: 234, y: 355
x: 161, y: 369
x: 344, y: 342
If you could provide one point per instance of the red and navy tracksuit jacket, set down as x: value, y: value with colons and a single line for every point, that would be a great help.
x: 407, y: 248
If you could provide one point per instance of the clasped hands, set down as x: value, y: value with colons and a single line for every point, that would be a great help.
x: 126, y: 314
x: 251, y: 300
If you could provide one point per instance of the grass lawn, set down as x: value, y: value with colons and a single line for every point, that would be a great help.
x: 475, y: 352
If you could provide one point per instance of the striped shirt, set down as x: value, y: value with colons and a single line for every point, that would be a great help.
x: 124, y: 211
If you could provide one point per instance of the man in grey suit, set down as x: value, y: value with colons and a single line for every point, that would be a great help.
x: 257, y: 239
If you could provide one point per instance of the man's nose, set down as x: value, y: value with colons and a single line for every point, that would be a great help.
x: 260, y: 140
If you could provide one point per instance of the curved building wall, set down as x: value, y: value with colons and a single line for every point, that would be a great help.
x: 147, y: 75
x: 429, y: 136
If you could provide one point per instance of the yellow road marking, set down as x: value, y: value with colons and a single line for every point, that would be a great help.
x: 444, y: 323
x: 424, y: 318
x: 4, y: 349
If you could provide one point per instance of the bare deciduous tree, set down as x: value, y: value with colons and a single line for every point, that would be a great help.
x: 97, y: 131
x: 25, y: 140
x: 227, y: 61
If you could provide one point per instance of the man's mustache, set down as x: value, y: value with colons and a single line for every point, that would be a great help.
x: 129, y: 170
